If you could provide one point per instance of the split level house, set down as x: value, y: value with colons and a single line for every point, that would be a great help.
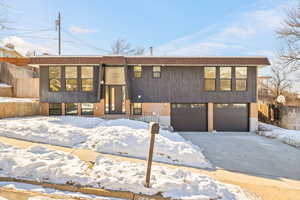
x: 187, y: 93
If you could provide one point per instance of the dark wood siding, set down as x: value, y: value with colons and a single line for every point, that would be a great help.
x: 63, y: 96
x: 185, y: 85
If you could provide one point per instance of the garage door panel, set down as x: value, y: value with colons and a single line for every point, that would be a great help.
x: 189, y: 117
x: 231, y: 117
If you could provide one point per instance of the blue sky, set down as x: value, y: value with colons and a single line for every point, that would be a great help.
x: 172, y: 27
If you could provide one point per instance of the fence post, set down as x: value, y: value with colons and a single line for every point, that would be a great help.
x: 153, y: 129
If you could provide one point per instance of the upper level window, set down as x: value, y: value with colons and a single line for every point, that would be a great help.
x: 87, y: 74
x: 225, y: 78
x: 71, y: 78
x: 156, y: 73
x: 241, y: 78
x: 54, y: 79
x: 137, y: 71
x: 210, y: 78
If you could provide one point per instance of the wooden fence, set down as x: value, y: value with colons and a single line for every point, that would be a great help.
x: 19, y: 109
x: 26, y: 88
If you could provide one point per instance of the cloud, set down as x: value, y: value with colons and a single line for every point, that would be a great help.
x: 24, y: 47
x: 79, y: 30
x: 251, y: 31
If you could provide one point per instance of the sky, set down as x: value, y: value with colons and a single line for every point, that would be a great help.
x: 171, y: 27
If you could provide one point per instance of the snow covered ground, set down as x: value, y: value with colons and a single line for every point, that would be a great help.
x: 290, y: 137
x: 10, y: 99
x: 4, y: 85
x: 122, y: 137
x: 35, y: 188
x: 41, y: 164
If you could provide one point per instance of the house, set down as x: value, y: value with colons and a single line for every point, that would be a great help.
x: 188, y: 93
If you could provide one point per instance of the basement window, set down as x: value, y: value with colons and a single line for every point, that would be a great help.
x: 137, y: 71
x: 55, y: 109
x: 87, y: 109
x: 54, y: 78
x: 71, y: 108
x: 137, y: 108
x: 156, y: 73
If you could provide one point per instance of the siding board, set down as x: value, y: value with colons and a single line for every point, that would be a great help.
x: 185, y: 85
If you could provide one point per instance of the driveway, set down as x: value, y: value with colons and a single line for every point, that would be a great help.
x: 249, y: 153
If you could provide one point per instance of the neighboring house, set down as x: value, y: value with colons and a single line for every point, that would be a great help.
x: 6, y: 52
x: 188, y: 93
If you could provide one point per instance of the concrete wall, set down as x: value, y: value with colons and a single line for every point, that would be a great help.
x: 290, y: 117
x: 26, y: 88
x: 20, y: 109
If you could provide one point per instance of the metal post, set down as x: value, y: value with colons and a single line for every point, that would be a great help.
x: 153, y: 129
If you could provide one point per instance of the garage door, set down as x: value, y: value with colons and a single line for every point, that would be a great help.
x: 189, y: 117
x: 231, y: 117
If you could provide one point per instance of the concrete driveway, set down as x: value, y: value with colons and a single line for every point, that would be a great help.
x: 249, y: 153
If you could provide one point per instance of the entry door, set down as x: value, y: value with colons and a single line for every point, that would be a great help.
x: 114, y: 99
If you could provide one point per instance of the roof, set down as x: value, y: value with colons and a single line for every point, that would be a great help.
x: 149, y: 60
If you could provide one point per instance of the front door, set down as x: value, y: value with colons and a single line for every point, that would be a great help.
x: 114, y: 96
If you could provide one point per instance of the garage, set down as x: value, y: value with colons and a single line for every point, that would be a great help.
x: 189, y: 117
x: 231, y: 117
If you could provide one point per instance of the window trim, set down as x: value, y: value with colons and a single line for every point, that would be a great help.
x: 225, y: 79
x: 81, y: 110
x: 214, y: 79
x: 140, y: 109
x: 82, y: 79
x: 245, y: 79
x: 76, y: 109
x: 60, y: 108
x: 139, y: 72
x: 72, y: 78
x: 59, y: 79
x: 156, y: 72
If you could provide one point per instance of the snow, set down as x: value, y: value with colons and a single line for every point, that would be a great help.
x: 10, y: 99
x: 122, y: 137
x: 4, y: 85
x: 290, y: 137
x: 36, y: 188
x: 41, y: 164
x: 2, y: 198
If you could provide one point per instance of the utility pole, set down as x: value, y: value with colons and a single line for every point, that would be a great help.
x: 58, y: 23
x: 151, y: 51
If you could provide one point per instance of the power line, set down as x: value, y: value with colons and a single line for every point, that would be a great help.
x: 83, y: 42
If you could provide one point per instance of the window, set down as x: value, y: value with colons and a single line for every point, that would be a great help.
x: 71, y: 78
x: 137, y: 71
x: 137, y: 108
x: 225, y: 78
x: 87, y: 74
x: 241, y: 78
x: 156, y: 73
x: 54, y: 109
x: 210, y: 78
x: 71, y: 108
x: 87, y: 109
x: 54, y: 79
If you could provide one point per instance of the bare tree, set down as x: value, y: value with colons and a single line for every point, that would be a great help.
x: 290, y: 33
x: 122, y: 47
x: 281, y: 80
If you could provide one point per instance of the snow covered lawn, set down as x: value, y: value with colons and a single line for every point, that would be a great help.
x: 10, y: 99
x: 290, y: 137
x: 122, y: 137
x: 35, y: 188
x: 41, y: 164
